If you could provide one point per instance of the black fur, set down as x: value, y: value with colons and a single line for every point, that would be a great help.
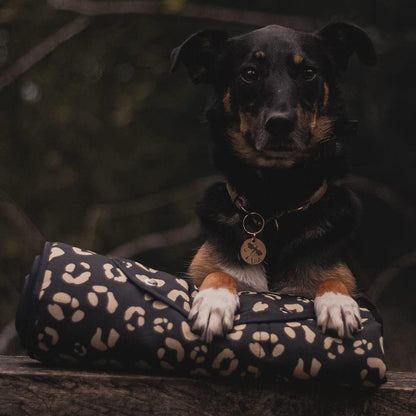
x: 281, y: 89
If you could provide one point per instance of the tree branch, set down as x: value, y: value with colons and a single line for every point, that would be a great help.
x: 390, y: 273
x: 156, y: 240
x: 27, y: 231
x: 191, y: 10
x: 42, y: 49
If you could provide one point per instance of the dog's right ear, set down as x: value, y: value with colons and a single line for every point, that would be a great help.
x: 199, y: 53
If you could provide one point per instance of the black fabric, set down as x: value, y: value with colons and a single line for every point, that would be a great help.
x: 87, y: 309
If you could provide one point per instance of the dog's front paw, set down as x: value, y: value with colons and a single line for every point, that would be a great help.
x: 337, y: 312
x: 212, y: 312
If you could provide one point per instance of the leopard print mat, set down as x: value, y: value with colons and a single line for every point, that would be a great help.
x: 85, y: 309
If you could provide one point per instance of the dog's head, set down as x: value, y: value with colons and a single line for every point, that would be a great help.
x: 277, y: 87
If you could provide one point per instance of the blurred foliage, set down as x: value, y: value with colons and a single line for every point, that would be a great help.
x: 100, y: 122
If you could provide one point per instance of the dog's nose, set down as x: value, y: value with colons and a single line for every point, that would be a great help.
x: 280, y: 124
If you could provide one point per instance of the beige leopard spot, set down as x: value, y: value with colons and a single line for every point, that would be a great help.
x: 183, y: 283
x: 176, y: 346
x: 331, y: 356
x: 370, y: 346
x: 329, y: 340
x: 53, y: 334
x: 290, y: 332
x: 223, y: 355
x: 74, y: 302
x: 363, y: 374
x: 147, y: 297
x: 278, y: 350
x: 148, y: 269
x: 186, y: 306
x: 82, y: 252
x: 118, y: 276
x: 76, y: 280
x: 112, y: 303
x: 374, y: 362
x: 42, y: 346
x: 256, y: 349
x: 132, y: 310
x: 80, y: 349
x: 340, y: 349
x: 200, y: 360
x: 85, y: 265
x: 253, y: 370
x: 61, y: 297
x: 56, y: 311
x: 70, y: 267
x: 98, y: 343
x: 294, y: 307
x: 204, y: 348
x: 161, y: 353
x: 77, y: 316
x: 359, y: 351
x: 315, y: 367
x: 226, y: 353
x: 100, y: 289
x: 166, y: 366
x: 187, y: 333
x: 260, y: 306
x: 273, y: 297
x: 357, y: 343
x: 92, y: 299
x: 309, y: 334
x: 274, y: 338
x: 364, y: 310
x: 299, y: 371
x: 199, y: 372
x: 293, y: 324
x: 159, y: 329
x: 130, y: 327
x: 55, y: 252
x: 381, y: 341
x: 47, y: 278
x: 145, y: 279
x: 157, y: 304
x: 261, y: 336
x: 175, y: 294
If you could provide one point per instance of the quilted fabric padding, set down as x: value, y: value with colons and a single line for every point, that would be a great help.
x: 87, y: 309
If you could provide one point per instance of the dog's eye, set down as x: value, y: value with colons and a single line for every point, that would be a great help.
x: 249, y: 75
x: 309, y: 74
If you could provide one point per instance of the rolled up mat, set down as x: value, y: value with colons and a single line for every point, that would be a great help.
x: 86, y: 309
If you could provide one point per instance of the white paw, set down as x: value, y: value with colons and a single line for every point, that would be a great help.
x: 213, y: 312
x: 337, y: 312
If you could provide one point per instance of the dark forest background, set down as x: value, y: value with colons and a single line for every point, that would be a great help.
x: 102, y: 148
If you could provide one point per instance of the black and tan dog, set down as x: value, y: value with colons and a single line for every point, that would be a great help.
x: 279, y: 222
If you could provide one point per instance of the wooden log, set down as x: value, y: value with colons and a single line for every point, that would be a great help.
x: 29, y: 388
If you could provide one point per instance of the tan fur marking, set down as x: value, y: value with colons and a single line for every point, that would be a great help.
x: 219, y: 280
x: 337, y: 279
x: 326, y: 94
x: 227, y: 101
x: 260, y: 55
x: 205, y: 262
x: 297, y: 59
x: 317, y: 125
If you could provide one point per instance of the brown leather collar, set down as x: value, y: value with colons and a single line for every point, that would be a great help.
x: 240, y: 201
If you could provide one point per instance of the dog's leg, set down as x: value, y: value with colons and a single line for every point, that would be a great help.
x: 335, y: 308
x: 214, y: 306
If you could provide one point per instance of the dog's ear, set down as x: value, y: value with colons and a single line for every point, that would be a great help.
x: 199, y: 53
x: 343, y: 39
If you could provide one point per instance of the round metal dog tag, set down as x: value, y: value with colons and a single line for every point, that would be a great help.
x: 253, y: 251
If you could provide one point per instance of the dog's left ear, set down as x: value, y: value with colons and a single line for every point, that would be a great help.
x: 343, y: 39
x: 199, y: 53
